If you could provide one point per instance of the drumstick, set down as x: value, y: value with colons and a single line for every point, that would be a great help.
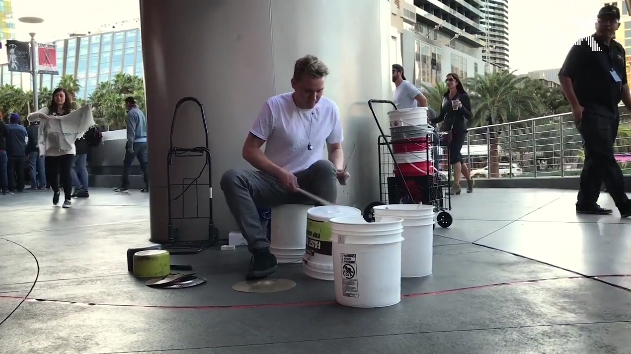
x: 314, y: 197
x: 349, y: 158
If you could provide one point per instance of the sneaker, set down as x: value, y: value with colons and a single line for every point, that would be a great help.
x: 67, y: 204
x: 593, y: 210
x: 626, y: 212
x: 83, y: 194
x: 262, y: 265
x: 56, y: 198
x: 121, y: 190
x: 144, y: 190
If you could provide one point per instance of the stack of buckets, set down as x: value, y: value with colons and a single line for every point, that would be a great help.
x: 371, y: 258
x: 408, y: 130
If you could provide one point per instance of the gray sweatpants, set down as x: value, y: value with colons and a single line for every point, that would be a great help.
x: 245, y: 190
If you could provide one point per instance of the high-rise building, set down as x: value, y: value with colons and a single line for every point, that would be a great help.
x: 623, y: 34
x: 495, y: 24
x: 91, y: 59
x: 432, y: 38
x: 7, y: 23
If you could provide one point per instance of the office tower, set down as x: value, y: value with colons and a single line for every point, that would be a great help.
x: 495, y: 23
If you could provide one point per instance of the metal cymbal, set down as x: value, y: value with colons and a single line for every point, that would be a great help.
x: 264, y: 286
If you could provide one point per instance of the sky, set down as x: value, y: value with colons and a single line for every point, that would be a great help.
x: 540, y: 31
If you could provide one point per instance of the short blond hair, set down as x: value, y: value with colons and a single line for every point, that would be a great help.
x: 310, y: 65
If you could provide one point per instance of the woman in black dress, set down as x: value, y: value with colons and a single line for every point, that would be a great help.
x: 455, y: 112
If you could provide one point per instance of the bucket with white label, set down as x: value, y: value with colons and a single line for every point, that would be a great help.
x: 414, y: 164
x: 288, y: 232
x: 418, y: 246
x: 408, y: 117
x: 317, y: 260
x: 367, y: 261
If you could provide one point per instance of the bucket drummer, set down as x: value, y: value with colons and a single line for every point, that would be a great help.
x: 295, y: 128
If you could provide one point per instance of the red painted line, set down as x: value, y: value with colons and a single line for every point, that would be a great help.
x: 304, y: 304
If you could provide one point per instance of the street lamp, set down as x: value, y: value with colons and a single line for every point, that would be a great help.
x: 33, y: 20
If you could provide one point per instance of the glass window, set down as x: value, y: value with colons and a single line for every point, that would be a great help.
x: 83, y: 49
x: 118, y: 46
x: 627, y: 25
x: 107, y: 38
x: 627, y: 33
x: 70, y: 66
x: 104, y: 77
x: 118, y: 55
x: 116, y: 66
x: 95, y: 39
x: 119, y: 37
x: 129, y: 59
x: 627, y: 42
x: 129, y: 70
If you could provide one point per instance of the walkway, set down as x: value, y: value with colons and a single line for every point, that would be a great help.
x: 517, y: 272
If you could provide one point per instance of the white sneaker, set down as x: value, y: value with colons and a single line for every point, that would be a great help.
x: 67, y: 204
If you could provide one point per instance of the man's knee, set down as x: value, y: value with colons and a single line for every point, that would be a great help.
x: 231, y: 178
x: 323, y: 167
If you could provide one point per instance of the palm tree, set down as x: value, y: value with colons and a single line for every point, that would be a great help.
x: 109, y: 97
x: 14, y: 100
x: 71, y: 85
x: 499, y: 98
x: 434, y: 95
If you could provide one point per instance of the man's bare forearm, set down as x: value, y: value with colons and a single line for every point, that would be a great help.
x: 258, y: 160
x: 568, y: 91
x: 626, y: 96
x: 336, y: 156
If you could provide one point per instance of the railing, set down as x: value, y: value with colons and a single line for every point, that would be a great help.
x: 547, y: 146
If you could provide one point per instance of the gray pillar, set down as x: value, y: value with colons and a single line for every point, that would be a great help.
x: 234, y: 54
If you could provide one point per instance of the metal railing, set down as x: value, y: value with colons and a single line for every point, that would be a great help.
x: 548, y: 146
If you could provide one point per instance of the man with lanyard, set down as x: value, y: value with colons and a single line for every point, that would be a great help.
x: 593, y: 78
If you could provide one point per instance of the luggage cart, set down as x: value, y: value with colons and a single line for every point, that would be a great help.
x: 189, y: 247
x: 432, y: 189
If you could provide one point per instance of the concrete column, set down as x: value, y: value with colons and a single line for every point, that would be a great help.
x: 234, y: 54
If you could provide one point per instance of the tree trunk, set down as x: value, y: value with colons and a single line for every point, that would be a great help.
x: 494, y: 168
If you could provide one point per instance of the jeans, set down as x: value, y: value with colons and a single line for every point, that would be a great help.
x: 59, y: 167
x: 245, y: 190
x: 15, y: 173
x: 140, y: 153
x: 79, y: 172
x: 599, y: 134
x: 38, y: 173
x: 4, y: 181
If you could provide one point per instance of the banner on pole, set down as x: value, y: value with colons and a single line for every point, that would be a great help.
x: 47, y: 58
x: 19, y: 56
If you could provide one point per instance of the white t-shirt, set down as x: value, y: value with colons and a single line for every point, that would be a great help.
x: 404, y: 95
x: 289, y: 131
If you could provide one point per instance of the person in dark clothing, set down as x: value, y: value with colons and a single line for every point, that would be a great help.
x: 455, y: 112
x: 4, y: 182
x: 136, y: 147
x: 16, y: 149
x: 594, y: 80
x: 79, y: 171
x: 38, y: 173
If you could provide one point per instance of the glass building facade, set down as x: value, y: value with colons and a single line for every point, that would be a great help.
x: 7, y: 24
x: 91, y: 59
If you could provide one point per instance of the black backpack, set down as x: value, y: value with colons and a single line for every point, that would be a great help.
x: 94, y: 137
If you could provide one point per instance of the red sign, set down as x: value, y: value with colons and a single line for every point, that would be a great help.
x: 47, y: 57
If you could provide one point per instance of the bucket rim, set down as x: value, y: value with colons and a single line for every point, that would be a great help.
x: 358, y: 220
x: 404, y: 207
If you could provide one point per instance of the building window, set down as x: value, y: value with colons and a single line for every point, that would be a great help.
x: 427, y: 64
x: 475, y: 69
x: 459, y: 66
x: 627, y: 42
x: 627, y: 25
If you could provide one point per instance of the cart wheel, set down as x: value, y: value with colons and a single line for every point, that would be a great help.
x: 173, y: 233
x: 213, y: 234
x: 369, y: 214
x: 444, y: 219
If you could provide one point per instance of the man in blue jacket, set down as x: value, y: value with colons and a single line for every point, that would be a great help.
x: 136, y: 146
x: 16, y: 150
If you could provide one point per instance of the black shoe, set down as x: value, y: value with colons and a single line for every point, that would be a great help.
x: 262, y: 265
x: 144, y: 190
x: 67, y: 204
x: 626, y: 212
x: 83, y: 194
x: 56, y: 198
x: 593, y: 210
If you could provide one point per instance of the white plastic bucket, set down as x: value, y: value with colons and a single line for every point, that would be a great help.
x: 408, y: 117
x: 288, y: 232
x: 418, y: 246
x: 318, y: 258
x: 367, y: 261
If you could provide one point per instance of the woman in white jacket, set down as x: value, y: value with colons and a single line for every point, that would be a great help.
x: 58, y: 157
